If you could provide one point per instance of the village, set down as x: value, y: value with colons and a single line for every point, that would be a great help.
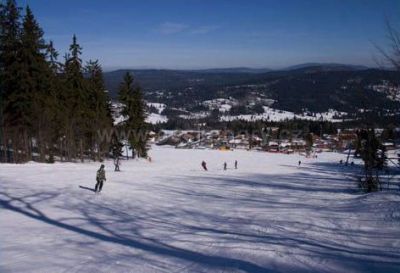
x: 271, y: 140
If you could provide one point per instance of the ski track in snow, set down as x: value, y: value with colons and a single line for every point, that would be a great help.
x: 170, y: 216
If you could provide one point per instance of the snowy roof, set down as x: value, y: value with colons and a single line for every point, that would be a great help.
x: 388, y: 144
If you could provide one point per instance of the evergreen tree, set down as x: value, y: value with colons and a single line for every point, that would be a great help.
x: 34, y: 88
x: 116, y: 147
x: 47, y: 107
x: 309, y: 142
x: 13, y: 117
x: 100, y: 108
x: 77, y: 99
x: 52, y: 58
x: 373, y: 154
x: 56, y: 107
x: 131, y: 97
x: 138, y: 123
x: 2, y: 32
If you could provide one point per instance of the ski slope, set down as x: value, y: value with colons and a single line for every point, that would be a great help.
x: 270, y: 215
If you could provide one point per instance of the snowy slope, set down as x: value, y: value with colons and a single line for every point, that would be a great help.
x: 271, y: 114
x: 159, y: 106
x: 152, y: 118
x: 170, y: 216
x: 155, y: 118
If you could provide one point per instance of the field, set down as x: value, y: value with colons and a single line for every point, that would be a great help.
x: 168, y: 215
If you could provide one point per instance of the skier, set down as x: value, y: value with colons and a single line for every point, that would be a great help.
x: 100, y: 178
x: 116, y: 163
x: 225, y: 166
x: 236, y: 164
x: 341, y: 162
x: 299, y: 163
x: 204, y: 165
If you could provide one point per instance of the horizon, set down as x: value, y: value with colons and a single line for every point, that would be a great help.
x: 307, y: 64
x: 180, y: 35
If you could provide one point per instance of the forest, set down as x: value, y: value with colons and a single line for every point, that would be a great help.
x: 55, y: 107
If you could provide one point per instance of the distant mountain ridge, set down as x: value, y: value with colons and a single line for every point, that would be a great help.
x: 253, y: 70
x: 327, y: 67
x: 234, y: 70
x: 153, y: 79
x: 313, y: 86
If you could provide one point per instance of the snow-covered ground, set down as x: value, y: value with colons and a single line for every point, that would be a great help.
x: 155, y: 118
x: 196, y: 115
x: 222, y: 104
x: 152, y: 118
x: 159, y: 106
x: 170, y: 216
x: 271, y: 114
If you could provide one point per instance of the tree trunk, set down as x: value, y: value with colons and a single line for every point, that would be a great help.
x: 81, y: 149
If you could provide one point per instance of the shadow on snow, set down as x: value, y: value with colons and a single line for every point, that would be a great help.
x: 311, y: 190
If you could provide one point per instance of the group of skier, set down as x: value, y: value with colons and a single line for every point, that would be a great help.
x: 101, y: 173
x: 225, y: 166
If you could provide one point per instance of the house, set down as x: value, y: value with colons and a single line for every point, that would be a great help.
x: 272, y: 147
x: 299, y: 145
x: 389, y: 145
x: 346, y: 138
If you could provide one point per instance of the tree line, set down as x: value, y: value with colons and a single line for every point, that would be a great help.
x: 55, y: 110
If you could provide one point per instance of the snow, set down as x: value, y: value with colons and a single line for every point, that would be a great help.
x: 196, y: 115
x: 159, y: 106
x: 153, y: 118
x: 170, y: 216
x: 225, y: 108
x: 271, y: 114
x: 118, y: 119
x: 223, y: 105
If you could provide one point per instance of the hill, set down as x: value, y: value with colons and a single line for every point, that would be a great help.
x: 269, y: 215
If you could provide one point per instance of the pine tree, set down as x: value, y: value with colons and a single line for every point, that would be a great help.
x: 77, y: 99
x: 131, y: 97
x: 139, y: 124
x: 13, y: 118
x: 34, y: 88
x: 309, y: 142
x: 46, y: 106
x: 116, y: 147
x: 2, y: 33
x: 52, y: 58
x: 100, y: 108
x: 372, y: 152
x: 56, y: 107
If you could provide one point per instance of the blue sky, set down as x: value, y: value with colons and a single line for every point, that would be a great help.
x: 205, y: 34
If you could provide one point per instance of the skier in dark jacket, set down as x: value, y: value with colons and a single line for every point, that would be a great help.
x: 100, y: 178
x: 225, y: 166
x: 236, y: 164
x: 204, y: 165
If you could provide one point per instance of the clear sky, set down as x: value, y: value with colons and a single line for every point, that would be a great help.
x: 205, y: 34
